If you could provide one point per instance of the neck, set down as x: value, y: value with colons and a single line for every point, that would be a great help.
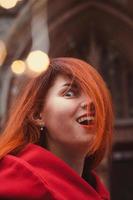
x: 74, y: 160
x: 75, y: 163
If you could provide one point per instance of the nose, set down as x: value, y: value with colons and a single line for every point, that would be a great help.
x: 84, y: 105
x: 88, y: 105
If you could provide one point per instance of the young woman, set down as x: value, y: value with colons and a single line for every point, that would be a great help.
x: 62, y: 120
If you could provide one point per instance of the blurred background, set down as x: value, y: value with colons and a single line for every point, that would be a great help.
x: 98, y: 31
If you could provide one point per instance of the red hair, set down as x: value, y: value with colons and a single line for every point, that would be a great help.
x: 21, y: 127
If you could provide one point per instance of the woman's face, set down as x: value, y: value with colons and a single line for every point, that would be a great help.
x: 60, y: 113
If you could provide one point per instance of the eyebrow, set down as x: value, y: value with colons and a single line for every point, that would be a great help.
x: 74, y: 85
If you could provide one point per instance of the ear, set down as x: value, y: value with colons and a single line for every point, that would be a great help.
x: 37, y: 119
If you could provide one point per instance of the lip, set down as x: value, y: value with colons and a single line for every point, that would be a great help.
x: 90, y: 126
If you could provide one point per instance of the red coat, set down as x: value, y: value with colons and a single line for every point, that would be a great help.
x: 38, y: 174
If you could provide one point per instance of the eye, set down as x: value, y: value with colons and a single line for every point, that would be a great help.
x: 70, y: 93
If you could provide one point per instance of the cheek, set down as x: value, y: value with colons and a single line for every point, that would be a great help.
x: 60, y: 109
x: 58, y: 115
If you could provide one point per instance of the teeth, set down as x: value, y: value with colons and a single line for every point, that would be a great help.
x: 89, y: 118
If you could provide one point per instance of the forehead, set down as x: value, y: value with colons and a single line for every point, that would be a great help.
x: 64, y: 80
x: 60, y: 79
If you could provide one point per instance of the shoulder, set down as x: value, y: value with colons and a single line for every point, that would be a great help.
x: 20, y: 180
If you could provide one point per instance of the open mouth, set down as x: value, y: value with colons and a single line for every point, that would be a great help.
x: 86, y: 120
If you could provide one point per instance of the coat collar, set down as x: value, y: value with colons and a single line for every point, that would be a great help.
x: 59, y: 174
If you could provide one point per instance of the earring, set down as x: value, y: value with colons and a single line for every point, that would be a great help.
x: 42, y: 126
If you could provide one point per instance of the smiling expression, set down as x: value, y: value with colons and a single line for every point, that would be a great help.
x: 63, y: 106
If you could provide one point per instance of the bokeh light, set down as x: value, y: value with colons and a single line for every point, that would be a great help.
x: 37, y: 61
x: 18, y: 67
x: 8, y: 4
x: 3, y: 52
